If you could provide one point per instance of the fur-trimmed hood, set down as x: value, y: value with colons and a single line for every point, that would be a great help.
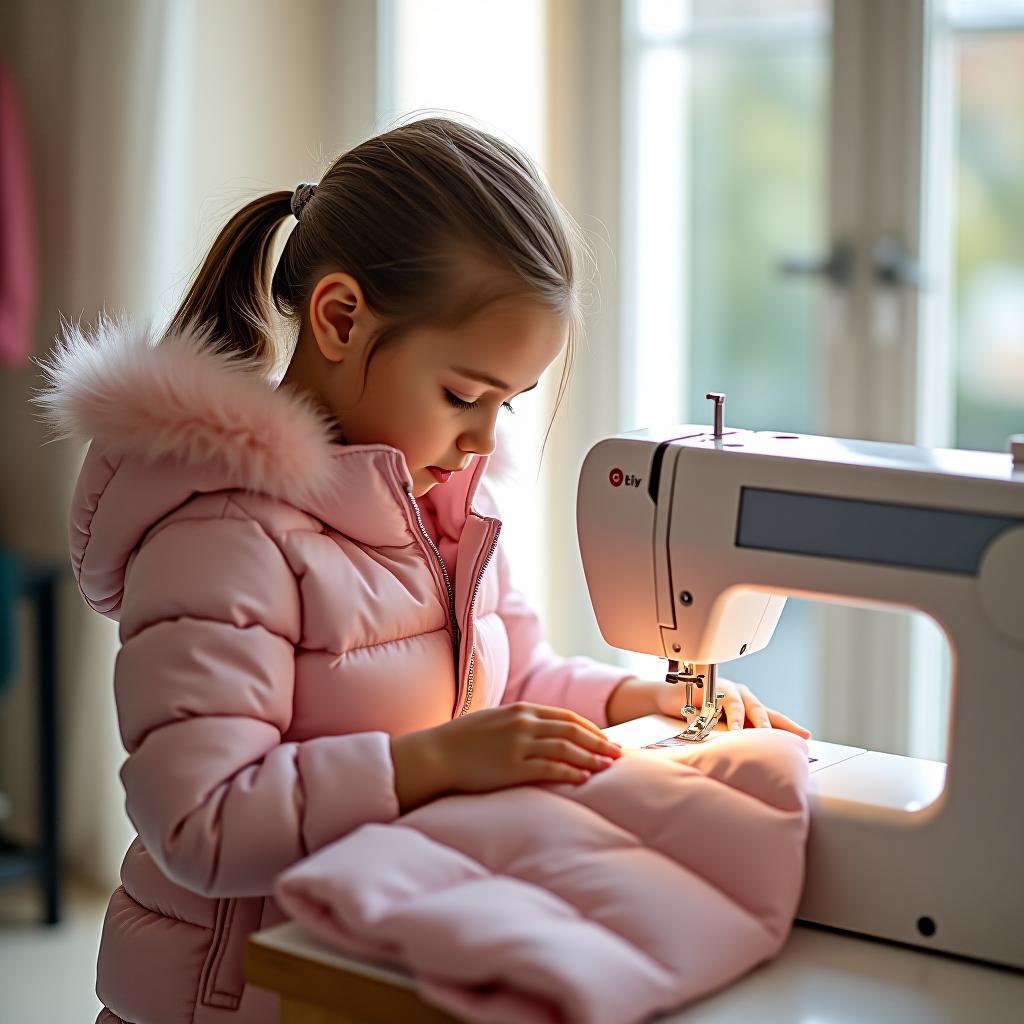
x: 183, y: 398
x: 173, y: 419
x: 186, y: 399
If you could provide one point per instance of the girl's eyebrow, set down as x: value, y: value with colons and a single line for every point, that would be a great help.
x: 484, y: 378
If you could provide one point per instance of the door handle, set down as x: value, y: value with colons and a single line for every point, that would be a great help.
x: 836, y: 267
x: 893, y: 266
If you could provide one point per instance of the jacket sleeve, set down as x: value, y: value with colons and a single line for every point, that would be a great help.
x: 204, y: 684
x: 539, y: 675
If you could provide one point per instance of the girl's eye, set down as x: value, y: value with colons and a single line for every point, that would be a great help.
x: 461, y: 403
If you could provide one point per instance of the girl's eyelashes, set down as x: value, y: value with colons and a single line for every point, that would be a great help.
x: 461, y: 403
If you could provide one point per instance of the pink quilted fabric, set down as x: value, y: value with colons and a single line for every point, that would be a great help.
x: 667, y: 876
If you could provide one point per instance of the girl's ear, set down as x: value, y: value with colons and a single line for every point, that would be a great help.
x: 339, y: 316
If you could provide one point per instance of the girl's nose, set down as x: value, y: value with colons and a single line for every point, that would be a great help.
x: 480, y: 439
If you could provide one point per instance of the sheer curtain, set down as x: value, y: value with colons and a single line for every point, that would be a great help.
x: 150, y: 122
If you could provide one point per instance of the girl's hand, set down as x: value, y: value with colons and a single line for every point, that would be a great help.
x: 522, y: 742
x: 740, y: 704
x: 499, y: 747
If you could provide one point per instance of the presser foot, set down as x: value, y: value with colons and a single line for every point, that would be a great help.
x: 703, y: 719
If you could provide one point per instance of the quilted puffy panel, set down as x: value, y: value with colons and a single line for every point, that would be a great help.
x: 657, y: 881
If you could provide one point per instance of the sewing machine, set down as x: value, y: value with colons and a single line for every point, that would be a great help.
x: 692, y: 538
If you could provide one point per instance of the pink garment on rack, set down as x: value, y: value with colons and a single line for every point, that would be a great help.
x: 17, y: 231
x: 663, y: 878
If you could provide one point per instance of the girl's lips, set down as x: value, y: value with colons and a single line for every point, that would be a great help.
x: 440, y: 475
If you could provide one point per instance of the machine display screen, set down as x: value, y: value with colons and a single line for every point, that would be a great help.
x: 912, y: 536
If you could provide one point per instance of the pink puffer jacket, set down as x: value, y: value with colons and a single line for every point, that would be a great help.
x: 284, y: 607
x: 659, y: 880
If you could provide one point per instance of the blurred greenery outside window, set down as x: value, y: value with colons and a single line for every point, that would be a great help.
x: 734, y: 97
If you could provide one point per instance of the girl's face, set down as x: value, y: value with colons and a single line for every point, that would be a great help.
x: 436, y: 393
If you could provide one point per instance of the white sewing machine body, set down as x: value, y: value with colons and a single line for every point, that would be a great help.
x: 690, y: 544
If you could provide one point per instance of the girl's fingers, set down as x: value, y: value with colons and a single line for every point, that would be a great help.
x: 565, y: 715
x: 540, y: 770
x: 755, y: 710
x: 781, y: 721
x: 734, y: 712
x: 569, y: 753
x: 599, y: 743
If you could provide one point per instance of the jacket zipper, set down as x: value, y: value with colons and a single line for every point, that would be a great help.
x: 469, y: 616
x: 456, y: 635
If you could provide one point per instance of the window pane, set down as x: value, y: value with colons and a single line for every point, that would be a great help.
x: 663, y: 19
x: 989, y: 240
x: 981, y: 12
x: 728, y: 178
x: 756, y: 194
x: 747, y: 10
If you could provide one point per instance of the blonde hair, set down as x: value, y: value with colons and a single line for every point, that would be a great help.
x: 400, y: 212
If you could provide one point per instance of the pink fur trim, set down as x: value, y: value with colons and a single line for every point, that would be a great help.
x: 183, y: 398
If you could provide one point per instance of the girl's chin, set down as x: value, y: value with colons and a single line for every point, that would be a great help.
x: 422, y: 481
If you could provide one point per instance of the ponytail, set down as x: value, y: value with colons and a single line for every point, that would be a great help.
x: 230, y: 292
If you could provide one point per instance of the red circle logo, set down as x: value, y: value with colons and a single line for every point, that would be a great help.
x: 615, y: 477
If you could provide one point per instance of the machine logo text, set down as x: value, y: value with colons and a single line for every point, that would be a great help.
x: 617, y: 478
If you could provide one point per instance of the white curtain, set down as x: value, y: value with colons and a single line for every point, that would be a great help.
x: 150, y: 122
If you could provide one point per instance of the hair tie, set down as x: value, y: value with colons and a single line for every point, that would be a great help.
x: 302, y: 195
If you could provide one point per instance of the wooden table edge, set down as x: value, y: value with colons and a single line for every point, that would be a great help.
x: 331, y: 987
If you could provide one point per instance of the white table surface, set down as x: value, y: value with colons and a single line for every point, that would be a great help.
x: 819, y: 977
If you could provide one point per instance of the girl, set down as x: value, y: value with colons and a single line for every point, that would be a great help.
x: 317, y: 624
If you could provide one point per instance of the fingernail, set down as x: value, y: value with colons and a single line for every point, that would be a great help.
x: 735, y: 725
x: 765, y: 724
x: 604, y: 761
